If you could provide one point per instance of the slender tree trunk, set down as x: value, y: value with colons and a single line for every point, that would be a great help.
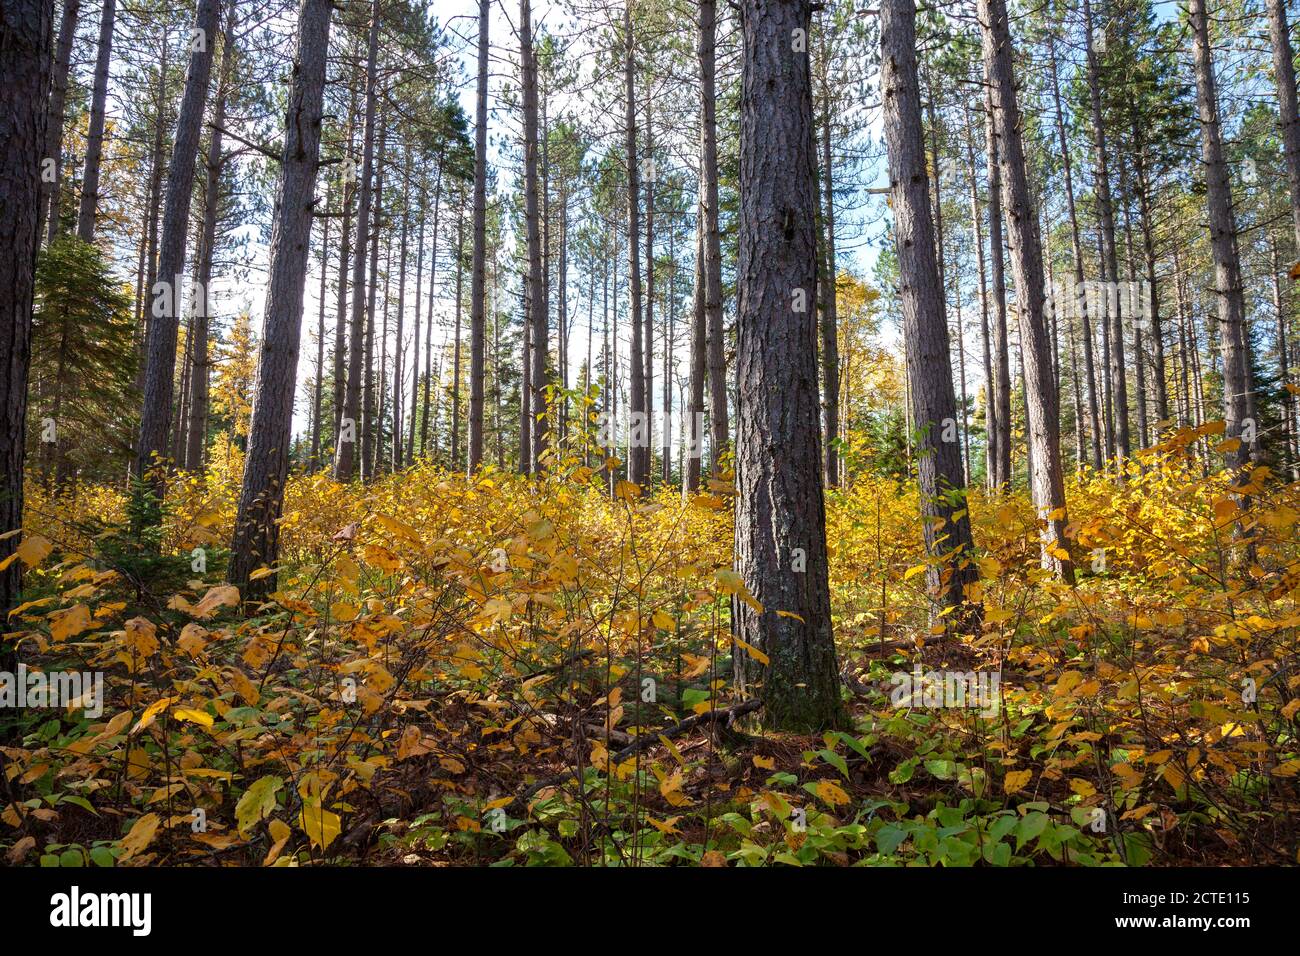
x: 719, y: 426
x: 997, y: 263
x: 345, y: 263
x: 1288, y: 121
x: 537, y: 302
x: 647, y: 338
x: 433, y: 284
x: 1292, y: 445
x: 1223, y: 249
x: 780, y: 509
x: 478, y: 279
x: 95, y: 132
x: 399, y: 390
x: 261, y: 498
x: 830, y: 346
x: 1112, y: 314
x: 977, y: 226
x: 455, y: 372
x: 53, y: 182
x: 1078, y: 301
x: 318, y: 386
x: 639, y: 451
x: 1041, y: 397
x: 200, y: 368
x: 699, y: 334
x: 415, y: 344
x: 345, y: 453
x: 369, y: 426
x: 160, y: 348
x: 945, y: 520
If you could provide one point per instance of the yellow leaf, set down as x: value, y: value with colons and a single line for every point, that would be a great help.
x: 1016, y: 780
x: 321, y: 826
x: 262, y: 572
x: 70, y: 622
x: 753, y: 651
x: 141, y: 835
x: 151, y: 713
x: 193, y: 716
x: 831, y: 793
x: 34, y: 550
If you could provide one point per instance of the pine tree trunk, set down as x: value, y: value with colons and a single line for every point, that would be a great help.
x: 160, y: 347
x: 1041, y: 399
x: 49, y: 202
x: 199, y: 365
x: 1223, y: 247
x: 830, y: 346
x: 945, y: 520
x: 638, y: 471
x: 997, y: 268
x: 345, y: 452
x: 537, y: 302
x: 256, y: 537
x: 1288, y: 121
x: 780, y: 509
x: 478, y: 280
x: 719, y: 426
x: 95, y: 131
x: 26, y: 32
x: 1078, y: 302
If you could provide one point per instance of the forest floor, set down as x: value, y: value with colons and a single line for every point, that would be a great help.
x: 442, y: 662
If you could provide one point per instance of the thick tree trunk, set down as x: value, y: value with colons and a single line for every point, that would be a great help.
x: 345, y: 452
x: 256, y: 538
x: 50, y: 188
x: 478, y: 280
x: 699, y: 334
x: 1223, y: 247
x: 1027, y: 265
x: 95, y: 131
x: 160, y: 347
x: 780, y: 510
x: 1288, y: 121
x: 26, y: 28
x: 946, y: 522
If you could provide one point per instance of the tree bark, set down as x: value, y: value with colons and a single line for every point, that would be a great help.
x: 478, y: 280
x: 780, y: 509
x: 830, y: 346
x: 1047, y: 482
x: 200, y: 367
x: 26, y: 32
x: 997, y: 266
x: 1288, y: 121
x: 345, y: 452
x: 49, y: 202
x: 1223, y: 247
x: 95, y: 131
x: 261, y: 498
x: 719, y: 427
x: 160, y: 346
x: 638, y: 471
x: 944, y: 516
x: 537, y: 303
